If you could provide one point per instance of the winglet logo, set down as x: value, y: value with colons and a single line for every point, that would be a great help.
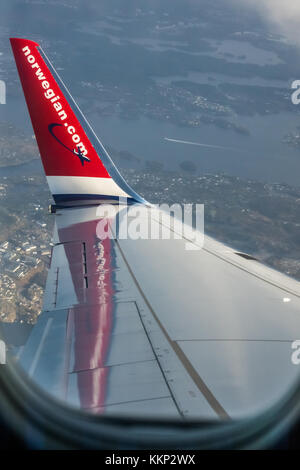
x: 79, y: 152
x: 50, y: 95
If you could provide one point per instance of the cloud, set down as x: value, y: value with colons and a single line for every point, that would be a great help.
x: 284, y: 15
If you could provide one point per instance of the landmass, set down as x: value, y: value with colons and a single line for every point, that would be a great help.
x: 16, y: 147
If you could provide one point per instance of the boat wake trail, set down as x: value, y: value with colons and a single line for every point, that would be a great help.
x: 187, y: 142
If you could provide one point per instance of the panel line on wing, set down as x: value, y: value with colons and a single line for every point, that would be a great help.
x: 109, y: 366
x: 132, y: 401
x: 158, y: 362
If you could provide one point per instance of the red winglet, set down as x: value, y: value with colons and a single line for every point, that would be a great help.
x: 64, y: 146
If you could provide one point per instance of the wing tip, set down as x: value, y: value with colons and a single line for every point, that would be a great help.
x: 22, y: 42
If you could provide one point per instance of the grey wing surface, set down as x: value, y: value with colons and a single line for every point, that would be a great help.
x: 146, y: 327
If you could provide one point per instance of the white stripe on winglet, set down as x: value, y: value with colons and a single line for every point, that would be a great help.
x: 84, y: 185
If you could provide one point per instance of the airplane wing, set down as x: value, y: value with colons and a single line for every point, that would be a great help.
x: 144, y: 326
